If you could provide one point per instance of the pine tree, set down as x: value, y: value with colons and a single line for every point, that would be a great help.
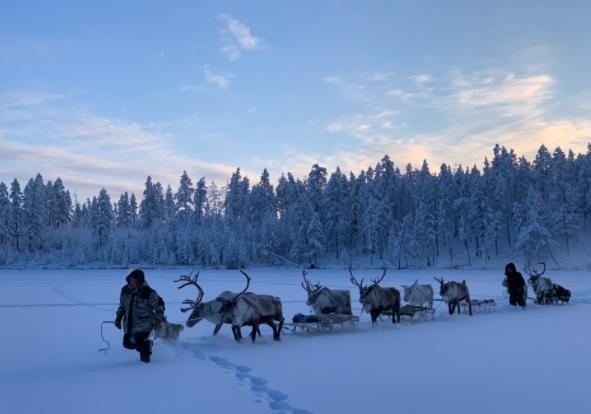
x: 184, y: 198
x: 534, y: 240
x: 200, y: 200
x: 103, y: 220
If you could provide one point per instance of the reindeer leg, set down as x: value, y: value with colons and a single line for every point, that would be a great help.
x: 274, y: 327
x: 253, y: 334
x: 236, y: 332
x: 459, y: 305
x: 217, y: 329
x: 280, y: 327
x: 470, y: 306
x: 374, y: 317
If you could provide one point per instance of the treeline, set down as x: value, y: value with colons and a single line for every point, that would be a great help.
x: 384, y: 214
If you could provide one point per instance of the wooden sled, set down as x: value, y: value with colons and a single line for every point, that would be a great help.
x: 480, y: 305
x: 323, y: 324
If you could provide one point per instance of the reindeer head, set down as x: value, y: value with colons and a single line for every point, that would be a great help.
x: 228, y: 305
x: 364, y: 291
x: 442, y: 286
x: 312, y: 290
x: 408, y: 290
x: 195, y: 305
x: 534, y: 276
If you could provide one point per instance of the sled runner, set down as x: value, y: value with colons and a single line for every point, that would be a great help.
x: 421, y: 312
x: 321, y: 323
x: 410, y: 311
x: 484, y: 305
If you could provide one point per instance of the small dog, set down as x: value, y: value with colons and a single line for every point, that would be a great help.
x: 169, y: 332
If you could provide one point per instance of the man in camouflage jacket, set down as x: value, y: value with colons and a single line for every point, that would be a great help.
x: 140, y: 311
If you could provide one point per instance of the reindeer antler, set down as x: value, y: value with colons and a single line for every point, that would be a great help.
x: 188, y: 280
x: 307, y: 285
x: 533, y: 272
x: 248, y: 279
x: 439, y: 279
x: 377, y: 280
x: 354, y: 279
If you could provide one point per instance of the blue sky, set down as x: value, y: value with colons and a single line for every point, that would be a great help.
x: 105, y: 93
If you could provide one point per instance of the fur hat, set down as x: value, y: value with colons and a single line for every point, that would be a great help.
x: 136, y: 274
x: 510, y: 266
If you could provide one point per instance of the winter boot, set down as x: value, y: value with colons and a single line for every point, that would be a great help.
x: 145, y: 357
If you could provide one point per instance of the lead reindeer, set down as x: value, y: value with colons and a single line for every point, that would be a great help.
x: 250, y: 309
x: 376, y: 299
x: 210, y: 310
x: 326, y: 301
x: 453, y: 293
x: 418, y: 295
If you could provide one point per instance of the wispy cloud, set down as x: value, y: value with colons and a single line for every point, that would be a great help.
x: 510, y: 94
x: 455, y: 119
x: 192, y: 88
x: 421, y: 78
x: 92, y: 151
x: 402, y: 95
x: 368, y: 128
x: 222, y: 81
x: 16, y: 99
x: 237, y: 37
x: 333, y: 79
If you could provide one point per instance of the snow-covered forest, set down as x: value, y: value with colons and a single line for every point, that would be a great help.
x: 400, y: 216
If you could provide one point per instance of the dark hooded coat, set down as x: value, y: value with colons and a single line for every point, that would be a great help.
x: 141, y: 308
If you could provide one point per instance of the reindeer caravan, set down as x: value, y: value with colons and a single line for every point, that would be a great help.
x: 331, y: 308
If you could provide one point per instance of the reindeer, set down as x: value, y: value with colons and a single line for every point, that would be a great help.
x: 376, y: 299
x: 254, y: 310
x: 543, y: 286
x: 326, y: 301
x: 418, y: 295
x: 210, y: 310
x: 453, y: 293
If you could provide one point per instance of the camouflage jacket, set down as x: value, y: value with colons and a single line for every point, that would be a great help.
x: 139, y: 311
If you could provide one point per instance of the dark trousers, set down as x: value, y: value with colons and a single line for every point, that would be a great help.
x: 517, y: 298
x: 139, y: 342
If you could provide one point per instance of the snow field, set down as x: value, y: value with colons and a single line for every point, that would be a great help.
x: 534, y: 360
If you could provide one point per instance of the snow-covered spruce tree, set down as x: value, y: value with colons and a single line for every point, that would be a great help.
x: 261, y: 206
x: 184, y: 198
x: 151, y: 209
x: 169, y: 206
x: 200, y: 200
x: 534, y: 238
x: 124, y: 212
x: 16, y: 215
x: 34, y: 210
x: 562, y: 200
x: 334, y: 211
x: 103, y: 223
x: 4, y: 223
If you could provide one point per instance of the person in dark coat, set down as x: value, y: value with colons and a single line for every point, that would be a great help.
x: 140, y: 311
x: 515, y: 285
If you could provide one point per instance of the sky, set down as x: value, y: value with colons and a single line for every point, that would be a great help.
x: 103, y: 94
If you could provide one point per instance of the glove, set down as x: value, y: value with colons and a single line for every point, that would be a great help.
x: 118, y: 324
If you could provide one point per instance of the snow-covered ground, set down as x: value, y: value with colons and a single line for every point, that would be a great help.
x: 511, y: 360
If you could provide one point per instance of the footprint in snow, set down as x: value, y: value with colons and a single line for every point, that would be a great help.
x: 276, y: 400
